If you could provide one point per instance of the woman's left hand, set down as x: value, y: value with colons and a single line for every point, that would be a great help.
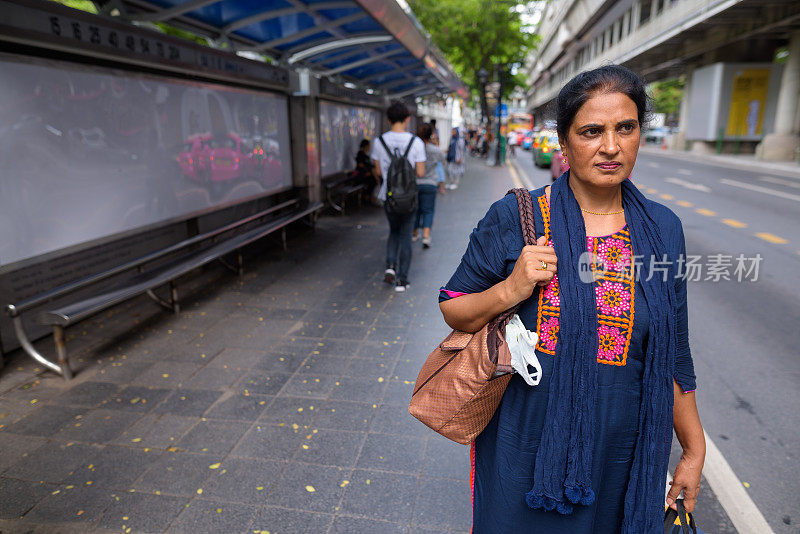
x: 686, y: 479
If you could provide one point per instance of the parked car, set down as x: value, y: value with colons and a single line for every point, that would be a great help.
x: 656, y: 135
x: 543, y: 148
x: 558, y: 164
x: 527, y: 140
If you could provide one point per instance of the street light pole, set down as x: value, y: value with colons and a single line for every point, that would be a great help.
x: 497, y: 161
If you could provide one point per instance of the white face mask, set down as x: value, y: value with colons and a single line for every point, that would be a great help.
x: 521, y: 343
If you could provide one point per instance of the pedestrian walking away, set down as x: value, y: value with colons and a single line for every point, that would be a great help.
x: 512, y: 143
x: 585, y: 451
x: 428, y: 185
x: 456, y: 165
x: 391, y: 153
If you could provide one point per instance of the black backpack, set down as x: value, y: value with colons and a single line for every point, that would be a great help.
x: 401, y: 182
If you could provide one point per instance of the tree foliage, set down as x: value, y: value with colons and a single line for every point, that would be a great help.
x: 475, y: 34
x: 668, y: 95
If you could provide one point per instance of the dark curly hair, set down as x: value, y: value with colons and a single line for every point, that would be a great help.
x: 605, y: 79
x: 397, y: 112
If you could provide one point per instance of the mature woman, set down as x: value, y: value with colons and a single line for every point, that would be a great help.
x: 586, y: 450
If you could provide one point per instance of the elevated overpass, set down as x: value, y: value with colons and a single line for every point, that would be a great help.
x: 666, y: 38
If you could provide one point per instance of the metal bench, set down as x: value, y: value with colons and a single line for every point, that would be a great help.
x: 205, y: 248
x: 340, y: 187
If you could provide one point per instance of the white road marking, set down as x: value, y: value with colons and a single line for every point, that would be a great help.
x: 688, y: 185
x: 760, y: 189
x: 730, y: 493
x: 780, y: 181
x: 685, y: 172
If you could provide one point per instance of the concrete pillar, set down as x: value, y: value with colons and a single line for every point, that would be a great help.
x: 679, y: 139
x: 784, y: 142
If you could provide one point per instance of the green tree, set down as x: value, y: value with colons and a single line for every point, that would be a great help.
x: 668, y: 95
x: 479, y: 34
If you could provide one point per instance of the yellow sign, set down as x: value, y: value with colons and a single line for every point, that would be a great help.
x: 748, y: 99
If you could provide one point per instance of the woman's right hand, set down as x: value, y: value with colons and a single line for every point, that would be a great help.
x: 528, y: 272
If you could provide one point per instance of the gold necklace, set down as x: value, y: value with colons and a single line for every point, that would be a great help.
x: 609, y: 213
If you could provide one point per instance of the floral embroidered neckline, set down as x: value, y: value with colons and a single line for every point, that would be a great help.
x: 614, y: 293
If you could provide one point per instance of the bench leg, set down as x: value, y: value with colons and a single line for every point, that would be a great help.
x: 61, y: 351
x: 240, y: 262
x: 173, y: 295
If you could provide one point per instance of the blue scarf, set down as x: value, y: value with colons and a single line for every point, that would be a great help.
x: 562, y: 472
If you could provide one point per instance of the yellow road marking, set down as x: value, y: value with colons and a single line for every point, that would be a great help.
x: 772, y: 238
x: 685, y: 204
x: 734, y: 223
x: 514, y: 176
x: 665, y: 196
x: 707, y: 213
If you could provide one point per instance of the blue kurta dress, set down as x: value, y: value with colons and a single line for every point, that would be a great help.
x: 504, y: 454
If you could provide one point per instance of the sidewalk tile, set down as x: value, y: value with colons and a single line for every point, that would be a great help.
x: 369, y: 368
x: 379, y: 350
x: 141, y: 512
x: 335, y: 347
x: 268, y: 441
x: 315, y: 386
x: 19, y: 496
x: 446, y: 459
x: 157, y: 431
x: 330, y: 447
x: 46, y: 420
x: 140, y: 399
x: 123, y: 372
x: 262, y: 382
x: 15, y: 447
x: 242, y: 481
x: 280, y: 362
x: 113, y: 468
x: 87, y: 394
x: 344, y: 415
x: 380, y: 495
x: 324, y: 365
x: 395, y: 419
x: 51, y: 463
x: 278, y: 520
x: 97, y: 426
x: 213, y: 436
x: 213, y: 378
x: 358, y: 389
x: 309, y: 487
x: 188, y: 402
x: 387, y: 452
x: 166, y: 374
x: 238, y: 358
x: 288, y: 410
x: 232, y: 405
x: 176, y: 473
x: 443, y: 503
x: 78, y: 504
x: 357, y: 525
x: 212, y: 517
x: 398, y: 392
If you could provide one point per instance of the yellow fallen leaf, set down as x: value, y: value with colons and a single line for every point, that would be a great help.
x: 80, y: 512
x: 380, y: 379
x: 344, y: 483
x: 310, y: 489
x: 199, y: 491
x: 165, y: 375
x: 214, y: 466
x: 260, y: 488
x: 136, y: 440
x: 125, y: 518
x: 368, y: 482
x: 746, y: 484
x: 219, y: 510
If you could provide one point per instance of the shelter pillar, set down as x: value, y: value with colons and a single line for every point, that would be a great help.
x: 304, y: 133
x: 783, y: 144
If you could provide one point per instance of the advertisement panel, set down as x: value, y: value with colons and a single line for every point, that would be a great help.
x: 90, y: 152
x: 748, y: 100
x: 342, y: 128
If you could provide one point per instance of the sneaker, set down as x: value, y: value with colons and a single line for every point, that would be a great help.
x: 401, y: 286
x: 415, y: 238
x: 388, y: 276
x: 426, y: 242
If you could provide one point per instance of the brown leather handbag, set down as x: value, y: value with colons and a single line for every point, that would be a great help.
x: 463, y: 380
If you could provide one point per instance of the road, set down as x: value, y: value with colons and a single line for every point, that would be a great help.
x: 745, y: 335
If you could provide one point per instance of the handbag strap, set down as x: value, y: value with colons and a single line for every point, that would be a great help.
x: 525, y: 204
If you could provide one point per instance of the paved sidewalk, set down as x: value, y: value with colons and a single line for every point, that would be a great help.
x: 275, y: 403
